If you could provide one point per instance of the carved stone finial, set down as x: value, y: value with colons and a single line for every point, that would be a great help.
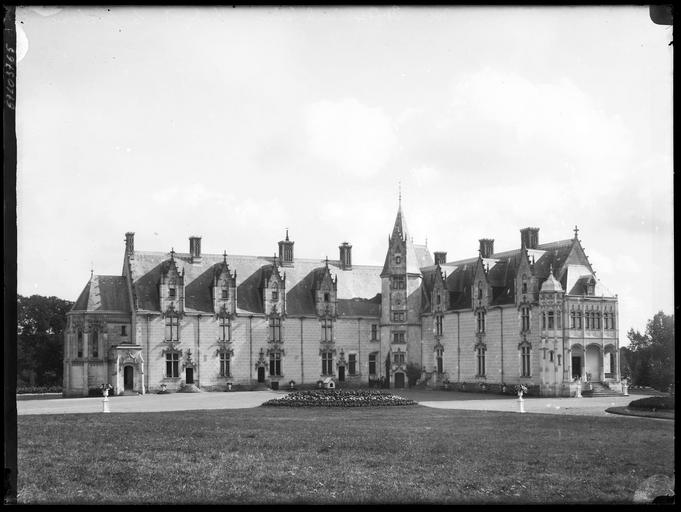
x: 224, y: 256
x: 287, y: 235
x: 172, y: 253
x: 576, y: 230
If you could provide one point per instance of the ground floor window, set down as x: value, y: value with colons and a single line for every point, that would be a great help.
x: 372, y: 364
x: 327, y: 363
x: 480, y: 356
x: 438, y: 360
x: 352, y: 364
x: 275, y: 364
x: 525, y: 361
x: 225, y: 363
x: 172, y: 364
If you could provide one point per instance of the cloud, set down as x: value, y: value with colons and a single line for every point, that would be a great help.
x: 351, y: 137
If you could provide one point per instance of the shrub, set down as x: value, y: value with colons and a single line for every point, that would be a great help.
x: 338, y: 398
x: 38, y: 389
x: 653, y: 402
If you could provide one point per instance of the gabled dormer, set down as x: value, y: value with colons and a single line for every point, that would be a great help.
x: 325, y: 291
x: 525, y: 281
x: 171, y: 286
x: 274, y: 290
x: 224, y: 288
x: 439, y: 300
x: 480, y: 287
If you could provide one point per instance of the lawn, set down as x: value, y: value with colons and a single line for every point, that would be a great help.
x: 355, y: 455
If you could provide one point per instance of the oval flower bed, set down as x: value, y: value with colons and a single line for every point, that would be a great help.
x: 338, y: 398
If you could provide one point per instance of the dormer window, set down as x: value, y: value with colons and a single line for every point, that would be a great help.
x: 327, y: 297
x: 398, y: 259
x: 438, y: 299
x: 225, y: 293
x: 524, y: 287
x: 275, y: 292
x: 590, y: 288
x: 479, y: 290
x: 171, y: 292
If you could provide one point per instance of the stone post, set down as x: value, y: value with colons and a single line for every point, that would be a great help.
x: 601, y: 371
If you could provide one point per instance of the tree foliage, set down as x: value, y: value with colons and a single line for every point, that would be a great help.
x: 40, y: 339
x: 649, y: 360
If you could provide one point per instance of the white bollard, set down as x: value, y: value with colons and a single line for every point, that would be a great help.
x: 105, y: 404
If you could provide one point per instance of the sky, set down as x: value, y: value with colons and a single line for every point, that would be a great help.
x: 235, y: 124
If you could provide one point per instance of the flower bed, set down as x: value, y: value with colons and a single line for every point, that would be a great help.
x: 338, y: 398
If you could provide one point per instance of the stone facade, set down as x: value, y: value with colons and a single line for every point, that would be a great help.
x: 536, y: 315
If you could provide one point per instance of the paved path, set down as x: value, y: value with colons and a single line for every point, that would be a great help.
x: 248, y: 399
x: 594, y: 406
x: 149, y: 403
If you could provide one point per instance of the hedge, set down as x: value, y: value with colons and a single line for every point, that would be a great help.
x: 653, y: 402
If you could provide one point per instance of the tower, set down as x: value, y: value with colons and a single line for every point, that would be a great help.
x: 401, y: 304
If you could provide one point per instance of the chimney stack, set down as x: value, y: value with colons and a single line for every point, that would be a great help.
x: 195, y: 249
x: 345, y: 256
x: 486, y: 247
x: 440, y: 257
x: 529, y: 238
x: 130, y: 244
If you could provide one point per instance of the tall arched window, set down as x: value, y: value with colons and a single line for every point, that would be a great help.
x: 438, y: 360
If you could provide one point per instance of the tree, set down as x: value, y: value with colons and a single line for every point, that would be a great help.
x: 40, y: 339
x: 650, y: 357
x: 413, y: 373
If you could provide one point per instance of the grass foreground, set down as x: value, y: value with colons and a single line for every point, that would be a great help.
x: 355, y: 455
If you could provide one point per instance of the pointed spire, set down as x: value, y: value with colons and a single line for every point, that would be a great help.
x: 92, y: 270
x: 399, y: 195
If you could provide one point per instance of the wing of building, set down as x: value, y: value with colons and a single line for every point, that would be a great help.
x: 535, y: 315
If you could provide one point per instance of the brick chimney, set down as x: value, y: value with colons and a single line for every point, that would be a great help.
x: 486, y: 247
x: 529, y: 238
x: 345, y: 256
x: 440, y: 257
x: 195, y: 248
x: 130, y: 244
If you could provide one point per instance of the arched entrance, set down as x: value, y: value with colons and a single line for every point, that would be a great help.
x: 189, y: 375
x: 341, y: 373
x: 399, y: 380
x: 261, y: 374
x: 128, y: 378
x: 593, y: 362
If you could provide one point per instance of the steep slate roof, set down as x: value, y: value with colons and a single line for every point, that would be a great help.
x: 357, y: 288
x: 413, y: 261
x: 104, y: 293
x: 503, y: 268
